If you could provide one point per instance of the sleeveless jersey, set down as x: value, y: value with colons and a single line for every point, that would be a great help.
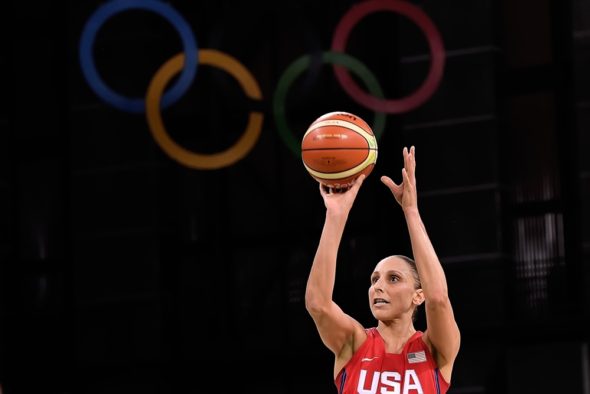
x: 373, y: 371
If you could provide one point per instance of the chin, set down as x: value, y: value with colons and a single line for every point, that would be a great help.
x: 381, y: 315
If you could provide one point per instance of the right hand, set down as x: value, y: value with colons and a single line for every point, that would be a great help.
x: 340, y: 201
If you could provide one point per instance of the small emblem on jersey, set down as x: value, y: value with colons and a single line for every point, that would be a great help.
x: 369, y: 358
x: 416, y: 357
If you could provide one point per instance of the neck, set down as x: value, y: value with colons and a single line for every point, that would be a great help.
x: 395, y: 334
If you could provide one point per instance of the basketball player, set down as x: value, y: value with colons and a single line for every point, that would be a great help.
x: 392, y: 357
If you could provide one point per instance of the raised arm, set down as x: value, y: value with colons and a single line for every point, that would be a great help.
x: 442, y: 332
x: 337, y: 330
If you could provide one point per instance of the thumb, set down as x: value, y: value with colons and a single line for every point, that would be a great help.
x: 357, y: 182
x: 387, y: 181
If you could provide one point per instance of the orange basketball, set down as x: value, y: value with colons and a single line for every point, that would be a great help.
x: 337, y: 148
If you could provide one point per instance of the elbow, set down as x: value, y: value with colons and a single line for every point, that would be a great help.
x: 311, y: 304
x: 438, y: 300
x: 314, y: 304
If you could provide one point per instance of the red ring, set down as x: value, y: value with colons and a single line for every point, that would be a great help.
x: 435, y: 43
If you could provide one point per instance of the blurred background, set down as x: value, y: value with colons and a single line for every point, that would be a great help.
x: 147, y: 249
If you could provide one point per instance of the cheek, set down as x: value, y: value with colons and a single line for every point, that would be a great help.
x: 402, y: 291
x: 371, y: 292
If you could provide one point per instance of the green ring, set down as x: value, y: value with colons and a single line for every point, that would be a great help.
x: 298, y: 67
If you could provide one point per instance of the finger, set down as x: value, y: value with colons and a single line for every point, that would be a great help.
x: 395, y: 188
x: 413, y: 158
x: 406, y: 176
x: 414, y: 168
x: 359, y: 181
x: 356, y: 184
x: 405, y: 154
x: 407, y: 157
x: 387, y: 181
x: 323, y: 189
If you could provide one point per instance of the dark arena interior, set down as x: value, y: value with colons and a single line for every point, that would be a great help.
x: 157, y: 225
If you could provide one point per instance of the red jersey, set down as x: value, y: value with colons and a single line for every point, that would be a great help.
x: 373, y: 371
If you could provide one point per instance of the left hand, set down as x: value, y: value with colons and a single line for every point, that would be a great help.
x: 405, y: 193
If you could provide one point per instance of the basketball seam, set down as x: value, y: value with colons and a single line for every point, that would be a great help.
x: 313, y: 149
x: 370, y: 159
x: 346, y: 169
x: 370, y: 138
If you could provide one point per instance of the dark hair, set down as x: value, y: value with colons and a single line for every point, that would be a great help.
x: 417, y: 283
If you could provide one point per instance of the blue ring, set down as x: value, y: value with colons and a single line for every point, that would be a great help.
x: 137, y: 105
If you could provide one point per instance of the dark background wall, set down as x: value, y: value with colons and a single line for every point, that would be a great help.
x: 126, y: 270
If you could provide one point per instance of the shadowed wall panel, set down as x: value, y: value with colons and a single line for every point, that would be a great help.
x: 161, y: 266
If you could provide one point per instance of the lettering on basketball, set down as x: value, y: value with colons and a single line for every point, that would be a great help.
x: 389, y: 382
x: 331, y: 161
x: 330, y: 136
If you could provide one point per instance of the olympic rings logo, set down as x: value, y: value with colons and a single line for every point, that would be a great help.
x: 187, y: 62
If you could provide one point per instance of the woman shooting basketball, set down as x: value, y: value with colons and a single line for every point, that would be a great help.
x: 392, y: 357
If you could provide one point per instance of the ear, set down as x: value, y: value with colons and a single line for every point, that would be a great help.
x: 418, y: 297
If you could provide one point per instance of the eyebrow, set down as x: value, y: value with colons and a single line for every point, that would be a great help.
x: 388, y: 272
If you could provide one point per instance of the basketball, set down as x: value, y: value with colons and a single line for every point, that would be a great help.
x: 337, y: 148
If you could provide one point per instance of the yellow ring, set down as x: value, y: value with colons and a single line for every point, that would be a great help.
x: 184, y: 156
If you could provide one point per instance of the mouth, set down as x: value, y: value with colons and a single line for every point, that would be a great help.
x: 380, y: 301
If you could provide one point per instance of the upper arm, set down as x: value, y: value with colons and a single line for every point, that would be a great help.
x: 442, y: 333
x: 337, y: 329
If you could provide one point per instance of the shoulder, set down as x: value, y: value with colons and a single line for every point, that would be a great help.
x: 370, y: 331
x: 362, y: 338
x: 444, y: 365
x: 350, y: 352
x: 361, y: 335
x: 423, y: 337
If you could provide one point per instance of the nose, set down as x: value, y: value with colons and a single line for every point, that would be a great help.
x: 378, y: 286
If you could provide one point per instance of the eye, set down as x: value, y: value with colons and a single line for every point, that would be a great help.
x: 374, y: 279
x: 394, y: 278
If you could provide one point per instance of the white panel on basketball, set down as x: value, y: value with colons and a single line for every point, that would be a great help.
x: 343, y: 123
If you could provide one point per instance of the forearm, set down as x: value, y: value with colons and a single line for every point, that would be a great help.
x: 442, y: 333
x: 432, y: 276
x: 320, y: 284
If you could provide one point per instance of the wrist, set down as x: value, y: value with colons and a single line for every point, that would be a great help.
x: 336, y: 215
x: 411, y: 212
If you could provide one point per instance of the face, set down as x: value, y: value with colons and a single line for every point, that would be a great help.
x: 392, y: 293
